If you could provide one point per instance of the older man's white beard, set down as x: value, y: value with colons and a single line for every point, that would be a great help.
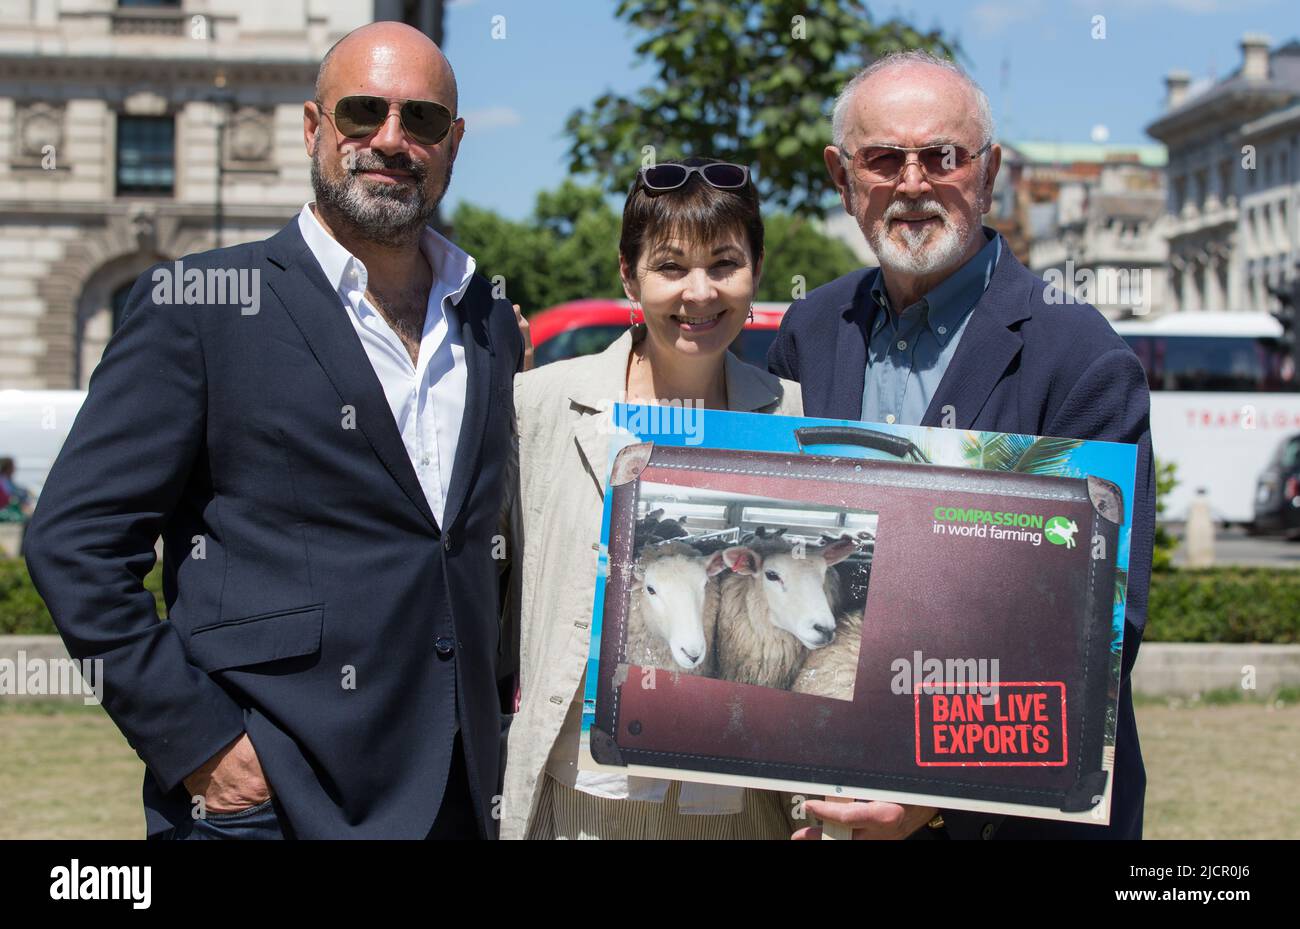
x: 945, y: 244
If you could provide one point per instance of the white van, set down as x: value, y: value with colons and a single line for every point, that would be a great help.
x: 1223, y: 394
x: 33, y: 427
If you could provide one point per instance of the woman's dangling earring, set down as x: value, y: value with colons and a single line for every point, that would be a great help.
x: 751, y: 313
x: 631, y: 313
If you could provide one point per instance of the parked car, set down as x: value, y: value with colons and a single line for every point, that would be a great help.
x: 1277, y: 492
x: 584, y: 327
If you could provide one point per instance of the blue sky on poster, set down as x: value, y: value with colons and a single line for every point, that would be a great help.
x: 1047, y: 78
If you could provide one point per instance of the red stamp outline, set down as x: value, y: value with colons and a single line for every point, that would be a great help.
x: 1065, y: 742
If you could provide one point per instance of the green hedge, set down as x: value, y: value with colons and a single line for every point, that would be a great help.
x: 1225, y: 605
x: 1186, y: 605
x: 23, y: 612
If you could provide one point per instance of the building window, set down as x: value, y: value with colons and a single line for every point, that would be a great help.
x: 146, y: 155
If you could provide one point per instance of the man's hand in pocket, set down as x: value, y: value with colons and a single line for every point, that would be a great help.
x: 231, y: 780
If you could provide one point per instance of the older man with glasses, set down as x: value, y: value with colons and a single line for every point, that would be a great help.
x: 952, y: 330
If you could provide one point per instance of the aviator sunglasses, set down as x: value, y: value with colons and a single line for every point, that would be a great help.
x: 360, y: 115
x: 879, y: 164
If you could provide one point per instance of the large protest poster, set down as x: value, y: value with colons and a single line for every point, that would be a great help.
x: 914, y: 614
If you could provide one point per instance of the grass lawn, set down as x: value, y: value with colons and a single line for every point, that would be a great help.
x: 1213, y: 771
x: 1220, y: 772
x: 66, y: 773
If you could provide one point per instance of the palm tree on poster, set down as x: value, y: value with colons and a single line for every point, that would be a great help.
x: 1021, y: 454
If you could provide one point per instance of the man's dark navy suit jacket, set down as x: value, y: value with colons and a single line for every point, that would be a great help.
x: 1024, y: 365
x: 313, y: 601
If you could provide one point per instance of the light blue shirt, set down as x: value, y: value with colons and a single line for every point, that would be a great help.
x: 907, y: 356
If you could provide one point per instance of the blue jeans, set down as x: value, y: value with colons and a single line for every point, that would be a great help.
x: 256, y: 822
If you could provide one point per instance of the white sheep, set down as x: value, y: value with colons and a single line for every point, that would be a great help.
x: 672, y: 608
x: 776, y: 605
x: 832, y: 671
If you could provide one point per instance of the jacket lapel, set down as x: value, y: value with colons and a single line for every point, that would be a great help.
x: 299, y: 284
x: 472, y: 314
x: 987, y: 347
x: 850, y: 373
x: 749, y: 389
x: 592, y: 396
x: 591, y: 433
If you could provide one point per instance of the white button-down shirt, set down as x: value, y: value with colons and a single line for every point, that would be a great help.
x: 427, y: 398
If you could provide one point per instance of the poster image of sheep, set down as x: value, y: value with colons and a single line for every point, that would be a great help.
x: 922, y: 615
x: 748, y: 589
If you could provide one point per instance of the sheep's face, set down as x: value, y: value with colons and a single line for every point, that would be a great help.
x: 794, y: 585
x: 672, y: 605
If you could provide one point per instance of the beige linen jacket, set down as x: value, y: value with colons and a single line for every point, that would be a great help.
x: 563, y: 414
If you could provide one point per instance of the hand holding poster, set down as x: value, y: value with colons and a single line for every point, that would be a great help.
x: 927, y: 616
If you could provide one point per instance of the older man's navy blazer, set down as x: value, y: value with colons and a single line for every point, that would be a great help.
x: 1024, y: 365
x: 313, y: 601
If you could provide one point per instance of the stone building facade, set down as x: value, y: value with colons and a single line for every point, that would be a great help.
x: 1093, y: 215
x: 134, y: 133
x: 1233, y: 180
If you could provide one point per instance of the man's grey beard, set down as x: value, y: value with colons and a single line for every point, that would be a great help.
x: 945, y: 246
x: 392, y: 215
x: 926, y: 252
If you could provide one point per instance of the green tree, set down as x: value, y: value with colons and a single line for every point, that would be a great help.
x: 584, y: 231
x: 799, y: 255
x: 568, y: 250
x: 751, y: 83
x: 511, y: 253
x: 1162, y: 556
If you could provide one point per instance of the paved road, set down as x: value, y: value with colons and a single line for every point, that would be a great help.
x: 1234, y: 547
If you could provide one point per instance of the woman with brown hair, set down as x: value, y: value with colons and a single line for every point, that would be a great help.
x: 690, y: 255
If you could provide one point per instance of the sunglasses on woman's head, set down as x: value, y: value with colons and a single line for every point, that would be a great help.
x: 360, y: 115
x: 671, y: 176
x: 879, y: 164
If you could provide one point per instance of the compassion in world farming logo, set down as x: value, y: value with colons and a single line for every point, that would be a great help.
x: 1031, y: 528
x: 1060, y: 531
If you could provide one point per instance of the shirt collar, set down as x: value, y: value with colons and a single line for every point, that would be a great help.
x: 452, y: 266
x: 953, y: 297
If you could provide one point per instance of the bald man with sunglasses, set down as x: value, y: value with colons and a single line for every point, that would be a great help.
x: 951, y: 330
x: 326, y: 473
